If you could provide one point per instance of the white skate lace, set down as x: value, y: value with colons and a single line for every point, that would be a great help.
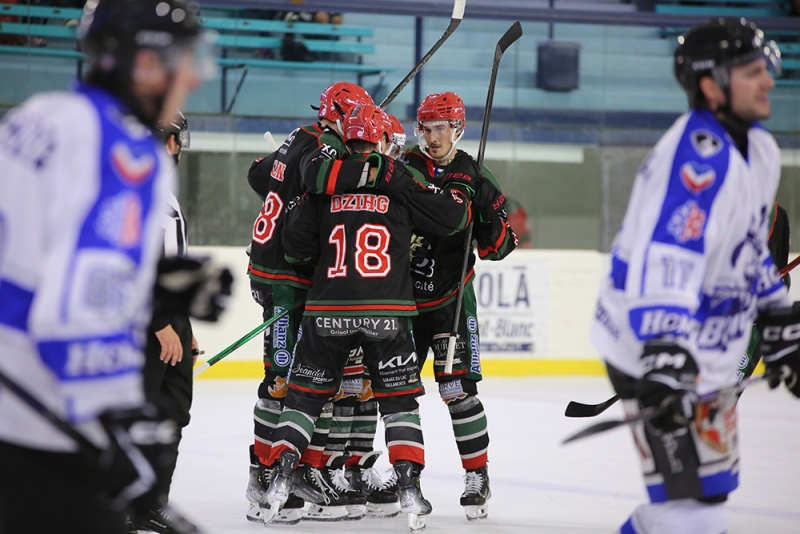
x: 473, y: 483
x: 319, y: 480
x: 392, y: 480
x: 372, y: 479
x: 340, y: 481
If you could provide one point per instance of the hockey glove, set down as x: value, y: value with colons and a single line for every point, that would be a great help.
x: 192, y: 286
x: 670, y: 374
x: 489, y: 201
x: 463, y: 172
x: 137, y: 440
x: 780, y: 346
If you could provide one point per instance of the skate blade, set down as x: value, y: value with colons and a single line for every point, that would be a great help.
x: 416, y: 522
x: 383, y: 511
x: 356, y: 511
x: 315, y: 512
x: 476, y: 512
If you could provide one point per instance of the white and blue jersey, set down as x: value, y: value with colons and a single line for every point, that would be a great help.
x: 82, y: 197
x: 691, y: 259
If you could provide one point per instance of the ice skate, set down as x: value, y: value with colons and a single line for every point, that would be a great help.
x: 323, y: 501
x: 409, y: 493
x: 476, y: 493
x: 380, y: 495
x: 257, y: 485
x: 162, y: 520
x: 280, y: 486
x: 356, y: 501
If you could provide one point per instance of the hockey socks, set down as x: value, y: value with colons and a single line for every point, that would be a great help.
x: 471, y: 432
x: 404, y: 437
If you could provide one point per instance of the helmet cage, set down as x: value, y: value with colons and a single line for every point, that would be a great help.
x: 457, y: 132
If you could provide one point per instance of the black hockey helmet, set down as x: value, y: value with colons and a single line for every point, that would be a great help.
x: 111, y: 33
x: 179, y: 127
x: 716, y: 46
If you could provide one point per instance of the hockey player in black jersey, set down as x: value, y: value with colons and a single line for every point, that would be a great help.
x: 361, y: 296
x: 440, y: 124
x: 277, y: 285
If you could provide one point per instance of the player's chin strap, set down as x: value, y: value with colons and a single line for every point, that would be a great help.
x: 455, y: 137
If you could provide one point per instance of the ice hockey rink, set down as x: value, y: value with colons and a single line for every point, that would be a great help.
x: 538, y: 485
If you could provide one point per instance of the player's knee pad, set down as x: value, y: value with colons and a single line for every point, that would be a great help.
x: 457, y: 390
x: 398, y: 404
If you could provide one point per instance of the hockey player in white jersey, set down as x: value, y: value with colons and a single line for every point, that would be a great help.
x: 83, y: 191
x: 691, y: 272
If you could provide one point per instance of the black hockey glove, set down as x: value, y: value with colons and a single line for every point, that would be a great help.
x: 393, y: 177
x: 669, y: 383
x: 780, y: 346
x: 463, y: 172
x: 193, y: 286
x: 489, y: 201
x: 419, y: 249
x: 138, y: 437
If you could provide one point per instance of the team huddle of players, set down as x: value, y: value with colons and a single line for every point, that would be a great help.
x: 360, y: 244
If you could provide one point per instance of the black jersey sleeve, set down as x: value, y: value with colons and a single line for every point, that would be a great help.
x: 321, y: 169
x: 301, y: 231
x: 440, y: 211
x: 494, y: 236
x: 259, y: 175
x: 779, y: 240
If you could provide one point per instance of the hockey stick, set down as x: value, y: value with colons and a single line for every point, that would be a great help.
x: 91, y: 452
x: 241, y: 341
x: 791, y: 265
x: 654, y: 411
x: 455, y: 20
x: 508, y: 38
x: 578, y: 409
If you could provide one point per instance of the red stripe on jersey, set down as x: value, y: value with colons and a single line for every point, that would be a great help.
x: 273, y: 276
x: 361, y: 307
x: 455, y: 372
x: 407, y: 452
x: 312, y: 390
x: 475, y: 463
x: 353, y: 370
x: 398, y: 393
x: 484, y: 251
x: 446, y: 297
x: 333, y: 176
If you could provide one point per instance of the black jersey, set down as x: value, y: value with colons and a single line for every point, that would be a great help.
x: 360, y: 244
x: 279, y: 179
x: 436, y: 276
x: 779, y: 241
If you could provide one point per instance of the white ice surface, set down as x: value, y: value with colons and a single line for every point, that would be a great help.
x: 538, y: 485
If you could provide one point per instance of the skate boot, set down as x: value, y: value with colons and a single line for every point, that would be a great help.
x: 163, y: 520
x: 256, y: 487
x: 381, y: 496
x: 356, y: 501
x: 323, y: 501
x: 409, y: 493
x: 476, y: 493
x: 280, y: 486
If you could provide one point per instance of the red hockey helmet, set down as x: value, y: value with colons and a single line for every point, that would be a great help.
x: 336, y: 102
x: 367, y: 123
x: 397, y: 136
x: 446, y: 106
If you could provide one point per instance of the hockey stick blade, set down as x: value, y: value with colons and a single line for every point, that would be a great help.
x: 508, y: 38
x: 455, y: 20
x: 578, y: 409
x: 649, y: 413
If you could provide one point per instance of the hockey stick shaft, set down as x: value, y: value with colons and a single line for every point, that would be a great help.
x: 578, y: 409
x: 203, y: 367
x: 508, y: 38
x: 652, y: 412
x: 455, y: 20
x: 791, y: 265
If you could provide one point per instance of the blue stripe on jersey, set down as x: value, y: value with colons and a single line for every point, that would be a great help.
x: 128, y: 166
x: 697, y: 174
x: 15, y: 305
x: 92, y: 358
x: 619, y: 272
x: 713, y: 485
x: 627, y: 528
x: 770, y: 280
